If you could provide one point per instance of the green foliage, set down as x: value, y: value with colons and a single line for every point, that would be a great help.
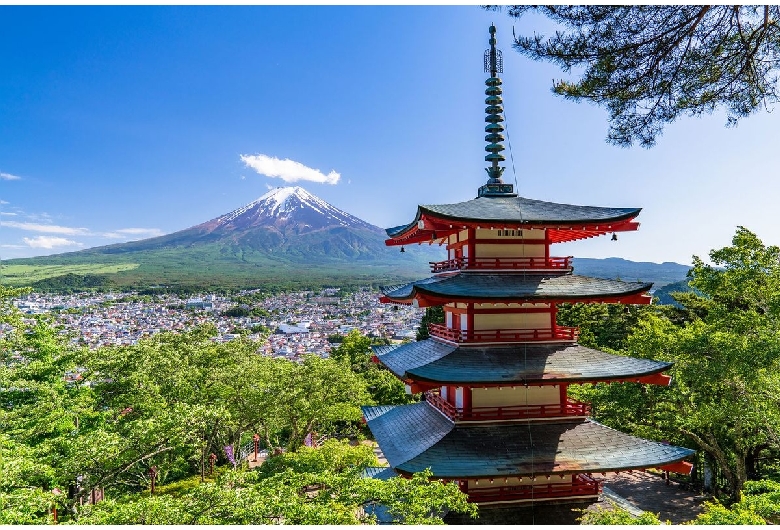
x: 433, y: 315
x: 715, y: 513
x: 312, y: 486
x: 236, y: 311
x: 420, y: 500
x: 354, y: 352
x: 603, y: 326
x: 171, y: 400
x: 616, y: 516
x: 649, y: 65
x: 333, y: 455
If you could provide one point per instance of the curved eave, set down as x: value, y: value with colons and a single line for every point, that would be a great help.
x: 517, y: 287
x: 437, y: 363
x: 416, y: 437
x: 429, y: 225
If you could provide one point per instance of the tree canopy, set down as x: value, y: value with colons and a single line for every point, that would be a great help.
x: 649, y: 65
x: 180, y: 407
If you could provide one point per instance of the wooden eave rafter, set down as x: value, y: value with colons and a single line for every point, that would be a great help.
x: 659, y: 379
x: 434, y: 229
x: 423, y: 299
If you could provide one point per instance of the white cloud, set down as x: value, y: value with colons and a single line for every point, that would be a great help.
x: 140, y: 231
x: 288, y: 170
x: 8, y: 213
x: 47, y: 229
x: 4, y: 202
x: 8, y: 176
x: 123, y: 233
x: 49, y: 242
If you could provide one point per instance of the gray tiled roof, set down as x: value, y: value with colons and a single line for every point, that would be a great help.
x: 423, y: 427
x: 519, y: 210
x: 517, y: 286
x: 519, y: 449
x: 400, y: 358
x: 381, y: 473
x: 430, y: 360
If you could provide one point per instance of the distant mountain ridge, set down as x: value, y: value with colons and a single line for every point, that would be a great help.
x: 660, y: 274
x: 291, y: 238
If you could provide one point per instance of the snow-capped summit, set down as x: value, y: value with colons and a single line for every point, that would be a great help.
x: 287, y: 208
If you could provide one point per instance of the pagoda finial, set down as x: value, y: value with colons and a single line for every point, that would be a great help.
x: 494, y: 65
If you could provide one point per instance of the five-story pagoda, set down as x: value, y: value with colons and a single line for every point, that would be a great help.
x: 496, y: 416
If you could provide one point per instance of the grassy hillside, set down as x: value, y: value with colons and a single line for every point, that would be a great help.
x: 210, y: 266
x: 22, y: 274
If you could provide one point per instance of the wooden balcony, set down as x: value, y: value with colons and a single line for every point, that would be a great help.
x: 512, y: 264
x: 559, y: 333
x: 581, y: 486
x: 524, y: 412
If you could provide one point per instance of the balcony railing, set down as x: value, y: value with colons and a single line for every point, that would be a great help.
x: 538, y: 263
x: 554, y: 410
x: 581, y: 486
x: 559, y: 333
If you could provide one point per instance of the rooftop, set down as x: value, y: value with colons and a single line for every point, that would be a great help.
x: 416, y: 437
x: 434, y: 361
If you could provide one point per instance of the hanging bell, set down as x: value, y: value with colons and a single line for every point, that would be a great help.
x: 402, y: 249
x: 614, y: 236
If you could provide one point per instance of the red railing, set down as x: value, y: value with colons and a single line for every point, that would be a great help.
x: 581, y: 486
x: 554, y: 410
x: 501, y: 264
x: 562, y: 333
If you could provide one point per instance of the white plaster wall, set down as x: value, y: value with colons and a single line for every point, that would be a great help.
x: 517, y: 396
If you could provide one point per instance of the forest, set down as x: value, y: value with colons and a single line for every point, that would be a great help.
x: 161, y: 432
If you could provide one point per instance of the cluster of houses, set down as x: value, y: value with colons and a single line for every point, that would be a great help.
x: 286, y: 325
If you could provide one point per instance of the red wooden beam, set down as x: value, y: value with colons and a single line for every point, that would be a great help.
x: 423, y: 231
x: 683, y: 468
x: 656, y: 379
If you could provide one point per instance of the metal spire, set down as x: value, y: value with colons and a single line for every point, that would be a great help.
x: 494, y: 64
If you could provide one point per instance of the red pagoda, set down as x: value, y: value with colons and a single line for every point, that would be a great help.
x: 496, y: 417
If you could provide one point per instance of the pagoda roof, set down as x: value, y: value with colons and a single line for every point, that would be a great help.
x: 415, y: 437
x: 381, y: 473
x: 517, y: 211
x: 515, y: 286
x: 433, y: 361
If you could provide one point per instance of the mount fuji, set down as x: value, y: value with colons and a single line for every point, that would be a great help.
x: 288, y: 236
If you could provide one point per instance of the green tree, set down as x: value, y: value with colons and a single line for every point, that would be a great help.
x: 311, y: 486
x: 287, y: 401
x: 616, y: 516
x: 433, y: 315
x: 604, y: 326
x: 649, y: 65
x: 354, y: 352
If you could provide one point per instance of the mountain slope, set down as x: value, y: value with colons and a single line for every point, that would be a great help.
x: 287, y: 222
x: 286, y: 236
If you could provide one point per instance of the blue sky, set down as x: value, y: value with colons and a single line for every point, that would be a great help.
x: 120, y: 123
